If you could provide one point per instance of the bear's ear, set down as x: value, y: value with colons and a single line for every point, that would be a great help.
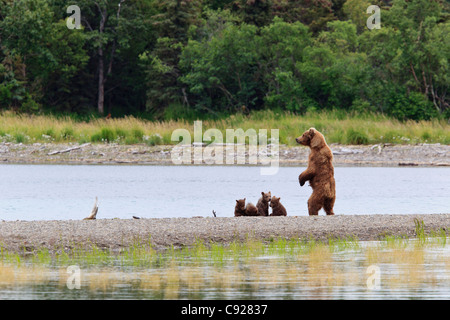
x: 317, y: 140
x: 237, y: 201
x: 262, y: 192
x: 312, y: 131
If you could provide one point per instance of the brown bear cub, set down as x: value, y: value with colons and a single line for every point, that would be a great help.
x: 239, y: 209
x: 277, y: 208
x: 320, y: 173
x: 251, y: 210
x: 263, y: 204
x: 244, y: 210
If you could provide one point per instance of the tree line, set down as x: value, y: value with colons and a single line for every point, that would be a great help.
x: 168, y: 59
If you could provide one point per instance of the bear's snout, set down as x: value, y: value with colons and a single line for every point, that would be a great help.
x: 301, y: 140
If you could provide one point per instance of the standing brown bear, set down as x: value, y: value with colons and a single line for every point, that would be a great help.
x: 320, y: 173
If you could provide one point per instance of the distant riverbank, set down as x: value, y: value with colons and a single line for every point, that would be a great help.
x: 162, y: 233
x: 114, y: 153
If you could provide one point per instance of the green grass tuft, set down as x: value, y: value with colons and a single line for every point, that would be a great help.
x: 337, y: 126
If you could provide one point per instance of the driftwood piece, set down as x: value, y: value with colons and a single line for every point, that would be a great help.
x: 93, y: 215
x: 69, y: 149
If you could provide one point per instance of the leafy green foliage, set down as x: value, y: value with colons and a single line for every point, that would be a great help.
x: 173, y: 59
x: 222, y: 71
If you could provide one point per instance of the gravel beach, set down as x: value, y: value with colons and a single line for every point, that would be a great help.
x: 113, y: 234
x: 112, y: 153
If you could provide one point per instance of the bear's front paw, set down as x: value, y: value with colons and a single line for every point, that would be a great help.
x: 301, y: 181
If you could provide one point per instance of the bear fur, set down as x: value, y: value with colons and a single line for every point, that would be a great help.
x: 239, y: 209
x: 320, y: 173
x: 251, y: 210
x: 277, y: 208
x: 245, y: 210
x: 263, y: 204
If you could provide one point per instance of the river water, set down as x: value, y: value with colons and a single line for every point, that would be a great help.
x: 55, y: 192
x: 400, y: 269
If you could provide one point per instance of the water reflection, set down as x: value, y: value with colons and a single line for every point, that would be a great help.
x: 406, y: 270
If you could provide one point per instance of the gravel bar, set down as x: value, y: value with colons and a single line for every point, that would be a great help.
x: 113, y: 234
x: 112, y: 153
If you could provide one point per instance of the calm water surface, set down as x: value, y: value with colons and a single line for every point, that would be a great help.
x: 52, y: 192
x: 409, y: 271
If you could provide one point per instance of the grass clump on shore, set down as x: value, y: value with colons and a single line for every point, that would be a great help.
x: 337, y: 126
x: 141, y: 252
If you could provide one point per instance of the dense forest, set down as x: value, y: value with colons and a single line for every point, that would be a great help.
x: 168, y: 59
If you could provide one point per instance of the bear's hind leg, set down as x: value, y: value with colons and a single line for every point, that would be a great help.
x: 314, y: 205
x: 328, y: 205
